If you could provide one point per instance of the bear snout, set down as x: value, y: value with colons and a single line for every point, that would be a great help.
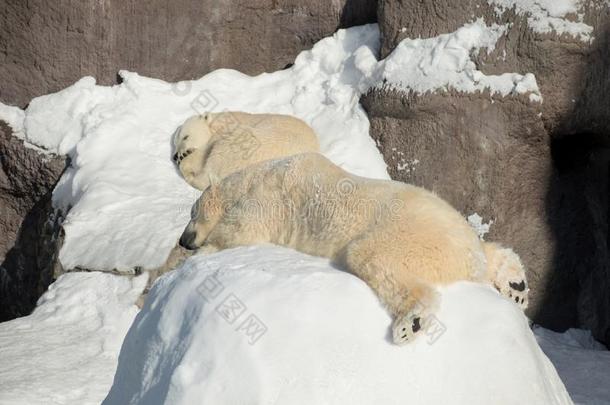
x: 187, y: 240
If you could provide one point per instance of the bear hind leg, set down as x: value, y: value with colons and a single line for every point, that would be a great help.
x: 506, y: 273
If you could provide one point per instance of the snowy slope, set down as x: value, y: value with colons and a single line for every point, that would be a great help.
x: 319, y: 336
x: 66, y: 351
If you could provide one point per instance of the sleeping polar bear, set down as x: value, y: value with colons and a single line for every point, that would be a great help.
x: 400, y: 239
x: 218, y: 144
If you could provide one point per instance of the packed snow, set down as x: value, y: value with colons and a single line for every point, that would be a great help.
x: 547, y: 16
x: 320, y: 336
x: 444, y: 63
x: 66, y: 351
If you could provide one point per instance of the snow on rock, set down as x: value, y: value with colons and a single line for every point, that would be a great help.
x: 319, y: 336
x: 128, y: 203
x: 480, y: 227
x: 582, y: 363
x: 547, y: 16
x: 66, y: 351
x: 444, y: 63
x: 13, y: 116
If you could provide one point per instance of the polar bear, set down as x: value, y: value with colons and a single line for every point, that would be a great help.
x: 400, y: 239
x: 217, y: 144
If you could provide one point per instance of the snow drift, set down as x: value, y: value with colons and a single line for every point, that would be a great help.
x: 318, y: 335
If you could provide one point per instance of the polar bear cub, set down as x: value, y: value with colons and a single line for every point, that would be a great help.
x: 400, y: 239
x: 217, y: 144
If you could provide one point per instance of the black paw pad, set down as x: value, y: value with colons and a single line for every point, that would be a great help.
x: 416, y: 326
x: 518, y: 286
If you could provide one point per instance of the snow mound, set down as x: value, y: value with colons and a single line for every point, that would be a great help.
x: 128, y: 203
x: 547, y: 16
x: 66, y: 351
x: 319, y: 336
x: 444, y: 63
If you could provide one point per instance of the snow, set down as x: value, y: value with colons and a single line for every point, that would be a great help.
x: 13, y: 116
x: 444, y: 63
x: 128, y: 203
x: 66, y: 351
x: 319, y: 336
x: 547, y: 16
x: 582, y: 363
x: 481, y: 228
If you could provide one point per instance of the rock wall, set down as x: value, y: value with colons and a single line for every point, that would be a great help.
x: 29, y: 227
x: 539, y: 171
x: 47, y: 45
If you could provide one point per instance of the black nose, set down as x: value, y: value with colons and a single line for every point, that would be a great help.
x: 187, y: 241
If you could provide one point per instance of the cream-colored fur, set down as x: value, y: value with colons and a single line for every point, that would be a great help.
x: 506, y: 273
x: 400, y: 239
x: 218, y: 144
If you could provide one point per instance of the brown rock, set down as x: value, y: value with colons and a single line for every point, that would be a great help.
x: 29, y: 227
x: 46, y: 46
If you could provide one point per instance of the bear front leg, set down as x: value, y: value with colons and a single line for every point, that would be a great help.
x: 506, y: 273
x: 411, y: 301
x: 414, y: 313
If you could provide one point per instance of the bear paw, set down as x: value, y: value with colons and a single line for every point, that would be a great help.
x: 178, y: 157
x: 406, y: 327
x: 517, y: 291
x: 510, y: 278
